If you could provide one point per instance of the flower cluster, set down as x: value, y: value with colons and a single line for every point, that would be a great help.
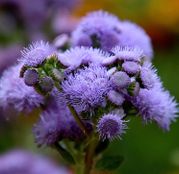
x: 91, y: 87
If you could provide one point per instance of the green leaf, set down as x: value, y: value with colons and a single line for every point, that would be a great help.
x: 65, y: 154
x: 109, y: 162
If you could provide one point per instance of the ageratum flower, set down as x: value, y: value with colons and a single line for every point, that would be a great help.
x: 149, y: 76
x: 87, y: 88
x: 31, y: 77
x: 74, y: 57
x: 21, y: 162
x: 158, y: 105
x: 36, y: 53
x: 134, y: 54
x: 15, y: 93
x: 130, y: 67
x: 56, y: 123
x: 103, y: 30
x: 96, y: 29
x: 111, y: 126
x: 133, y: 35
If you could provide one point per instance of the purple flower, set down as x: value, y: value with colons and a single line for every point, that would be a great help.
x: 115, y: 97
x: 36, y: 53
x: 21, y: 161
x: 87, y: 88
x: 95, y: 30
x: 31, y: 77
x: 46, y: 84
x: 81, y: 55
x: 158, y: 105
x: 111, y: 126
x: 149, y: 76
x: 131, y: 67
x: 133, y: 35
x: 120, y: 80
x: 56, y: 123
x: 14, y: 92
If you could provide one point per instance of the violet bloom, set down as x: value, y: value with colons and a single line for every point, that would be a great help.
x: 87, y: 88
x: 158, y: 105
x: 103, y: 30
x: 23, y: 162
x: 111, y: 126
x: 96, y: 29
x: 36, y: 53
x: 133, y: 35
x: 14, y: 93
x: 56, y: 123
x: 149, y: 77
x: 74, y: 57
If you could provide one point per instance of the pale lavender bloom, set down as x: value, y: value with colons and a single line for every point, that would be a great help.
x: 120, y: 80
x: 36, y: 53
x: 130, y: 67
x: 115, y: 97
x: 15, y: 93
x: 24, y: 162
x: 31, y: 77
x: 133, y: 35
x: 87, y: 88
x: 111, y: 126
x: 81, y: 55
x: 56, y: 123
x: 149, y: 76
x: 158, y: 105
x: 100, y: 25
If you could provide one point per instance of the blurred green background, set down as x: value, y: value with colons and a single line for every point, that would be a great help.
x: 146, y: 148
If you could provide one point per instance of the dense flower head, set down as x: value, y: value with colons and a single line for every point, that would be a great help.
x: 103, y: 30
x: 116, y: 97
x: 56, y: 123
x: 149, y: 76
x: 74, y: 57
x: 21, y: 161
x: 158, y: 105
x: 95, y: 30
x: 87, y: 88
x: 133, y: 35
x: 111, y: 126
x: 36, y: 53
x: 14, y: 93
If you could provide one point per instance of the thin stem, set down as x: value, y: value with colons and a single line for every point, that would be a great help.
x: 89, y: 158
x: 78, y: 120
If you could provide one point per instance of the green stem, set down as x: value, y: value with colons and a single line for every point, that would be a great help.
x: 78, y: 120
x: 89, y: 157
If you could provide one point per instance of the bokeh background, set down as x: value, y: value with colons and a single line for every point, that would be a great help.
x: 146, y: 148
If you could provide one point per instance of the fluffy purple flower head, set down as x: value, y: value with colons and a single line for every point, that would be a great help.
x: 15, y: 93
x: 120, y: 80
x: 133, y: 35
x: 149, y: 76
x: 87, y: 88
x: 81, y: 55
x: 56, y: 123
x: 115, y: 97
x: 21, y: 161
x: 158, y: 105
x: 130, y: 67
x: 36, y: 53
x: 95, y: 30
x: 111, y: 126
x: 31, y: 77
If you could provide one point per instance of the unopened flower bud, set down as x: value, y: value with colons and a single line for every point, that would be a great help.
x: 31, y: 77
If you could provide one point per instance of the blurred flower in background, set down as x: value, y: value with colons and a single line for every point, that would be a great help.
x: 21, y: 161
